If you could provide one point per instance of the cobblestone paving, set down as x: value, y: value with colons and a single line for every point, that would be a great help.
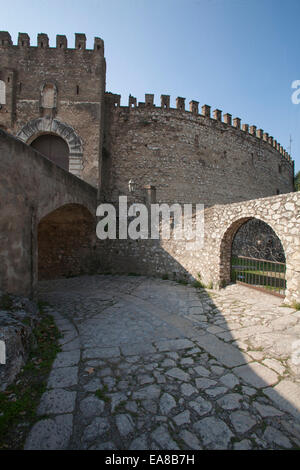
x: 148, y: 364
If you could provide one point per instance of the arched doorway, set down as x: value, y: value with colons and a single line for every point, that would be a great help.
x: 66, y: 238
x: 252, y: 254
x: 54, y: 148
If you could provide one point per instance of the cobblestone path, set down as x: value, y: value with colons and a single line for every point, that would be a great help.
x: 148, y: 364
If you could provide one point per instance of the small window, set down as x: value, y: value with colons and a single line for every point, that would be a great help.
x: 42, y: 44
x: 279, y: 168
x: 277, y: 191
x: 2, y: 92
x: 77, y: 90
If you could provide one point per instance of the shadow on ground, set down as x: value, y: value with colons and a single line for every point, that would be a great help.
x: 152, y: 364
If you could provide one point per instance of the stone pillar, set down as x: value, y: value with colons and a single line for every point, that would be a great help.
x: 253, y: 130
x: 206, y: 110
x: 61, y: 42
x: 237, y: 123
x: 194, y: 107
x: 180, y: 103
x: 218, y: 115
x: 149, y: 100
x: 227, y: 119
x: 165, y: 101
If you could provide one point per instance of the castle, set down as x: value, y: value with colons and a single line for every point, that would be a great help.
x: 54, y: 99
x: 54, y: 104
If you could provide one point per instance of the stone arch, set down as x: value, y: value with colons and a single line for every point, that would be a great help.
x: 46, y: 125
x: 226, y: 241
x: 66, y: 238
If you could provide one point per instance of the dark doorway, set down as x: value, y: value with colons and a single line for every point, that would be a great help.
x: 54, y: 148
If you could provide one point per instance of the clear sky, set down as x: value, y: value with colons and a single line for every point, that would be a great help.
x: 239, y: 56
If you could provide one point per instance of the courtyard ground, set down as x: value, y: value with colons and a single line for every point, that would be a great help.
x: 153, y: 364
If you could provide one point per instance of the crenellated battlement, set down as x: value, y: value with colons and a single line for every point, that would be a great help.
x: 235, y: 123
x: 43, y: 42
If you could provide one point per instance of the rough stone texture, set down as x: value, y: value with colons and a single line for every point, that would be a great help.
x: 45, y: 187
x: 76, y: 79
x: 138, y: 410
x: 16, y: 330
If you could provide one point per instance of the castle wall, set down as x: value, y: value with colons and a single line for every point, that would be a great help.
x: 56, y: 82
x: 31, y: 187
x: 188, y: 157
x: 211, y: 262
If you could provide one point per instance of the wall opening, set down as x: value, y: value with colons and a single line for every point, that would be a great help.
x: 66, y: 241
x: 54, y: 148
x: 252, y: 254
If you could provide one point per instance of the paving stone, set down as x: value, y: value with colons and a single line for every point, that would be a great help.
x: 67, y: 359
x: 273, y: 436
x: 57, y: 401
x: 187, y: 361
x: 104, y: 446
x: 286, y: 395
x: 50, y: 434
x: 139, y: 348
x: 275, y: 365
x: 230, y: 401
x: 214, y: 392
x: 182, y: 418
x: 91, y: 406
x: 116, y: 399
x: 243, y: 445
x: 230, y: 380
x: 149, y: 392
x: 256, y: 375
x: 140, y: 443
x: 167, y: 403
x: 200, y: 406
x: 162, y: 437
x: 188, y: 390
x: 225, y: 353
x: 168, y: 363
x: 178, y: 374
x: 100, y: 353
x: 242, y: 421
x: 124, y: 424
x: 215, y: 434
x: 203, y: 384
x: 217, y: 370
x: 63, y: 377
x: 93, y: 385
x: 150, y: 406
x: 200, y: 370
x: 98, y: 427
x: 173, y: 345
x: 190, y: 440
x: 266, y: 411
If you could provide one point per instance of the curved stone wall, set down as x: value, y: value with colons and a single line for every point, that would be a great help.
x: 189, y: 158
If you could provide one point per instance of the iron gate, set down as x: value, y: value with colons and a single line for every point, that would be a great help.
x: 261, y: 274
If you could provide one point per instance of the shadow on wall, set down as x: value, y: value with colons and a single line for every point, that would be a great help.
x: 240, y: 410
x: 66, y: 239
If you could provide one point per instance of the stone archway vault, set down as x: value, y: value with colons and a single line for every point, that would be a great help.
x: 46, y: 125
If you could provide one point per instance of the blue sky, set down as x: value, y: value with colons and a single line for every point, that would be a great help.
x: 239, y: 56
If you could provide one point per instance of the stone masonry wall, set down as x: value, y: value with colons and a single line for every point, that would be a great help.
x: 31, y: 187
x: 180, y: 259
x: 78, y: 80
x: 188, y: 157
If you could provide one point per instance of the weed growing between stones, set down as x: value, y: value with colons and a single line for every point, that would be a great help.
x: 19, y: 402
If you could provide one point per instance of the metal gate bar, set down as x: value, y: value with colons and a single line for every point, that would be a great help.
x: 267, y: 276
